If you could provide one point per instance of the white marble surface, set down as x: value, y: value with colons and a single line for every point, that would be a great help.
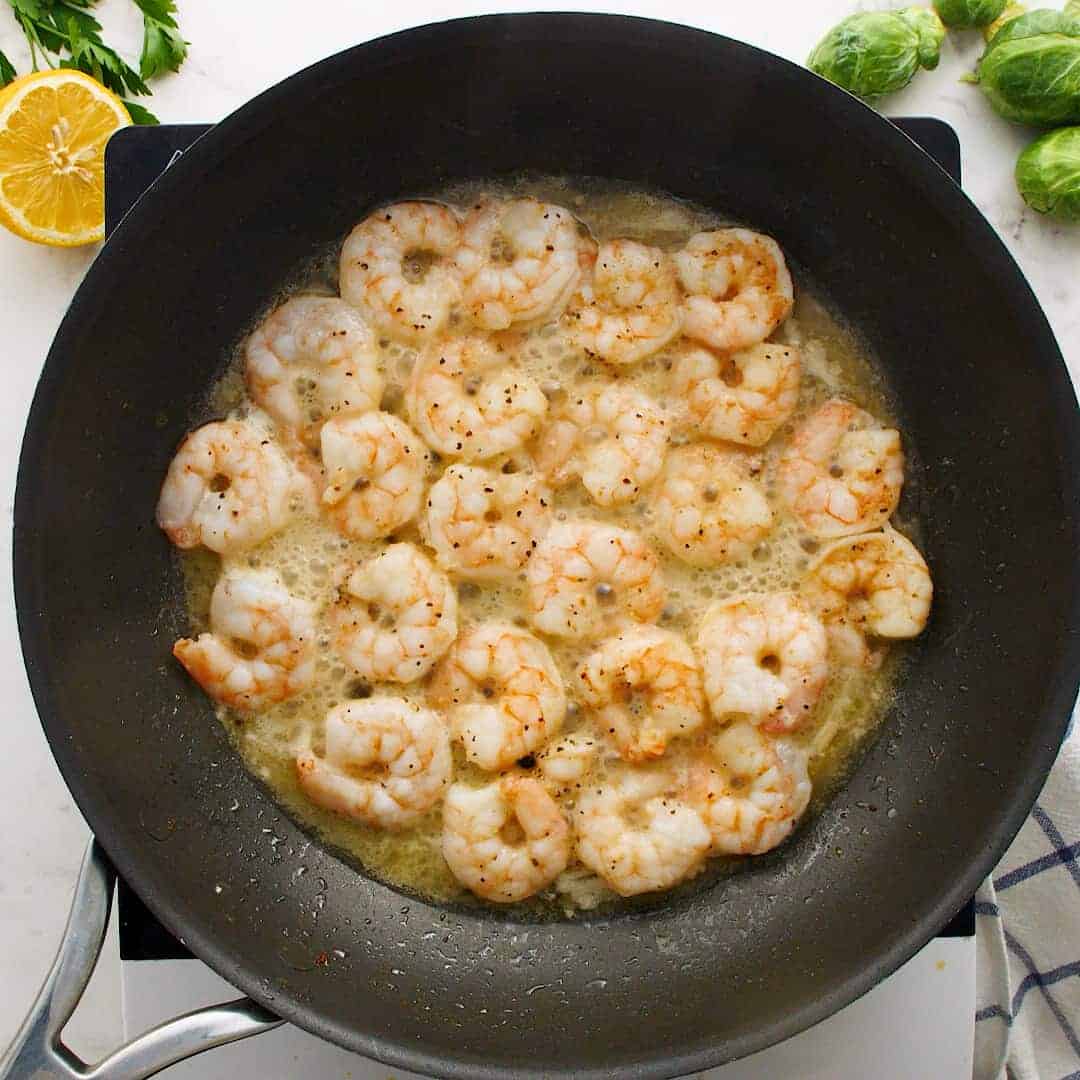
x: 237, y: 50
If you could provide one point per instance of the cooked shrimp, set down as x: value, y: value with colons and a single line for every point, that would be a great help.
x: 637, y: 832
x: 397, y: 616
x: 505, y: 841
x: 261, y: 644
x: 398, y: 267
x: 764, y: 658
x: 385, y: 762
x: 229, y: 487
x: 872, y: 586
x: 519, y: 260
x: 739, y: 285
x: 468, y: 400
x: 375, y: 469
x: 842, y: 472
x: 645, y: 688
x: 709, y: 509
x: 567, y: 761
x: 630, y: 307
x: 501, y: 692
x: 585, y: 575
x: 740, y: 397
x: 313, y: 358
x: 613, y: 437
x: 750, y: 791
x: 484, y: 524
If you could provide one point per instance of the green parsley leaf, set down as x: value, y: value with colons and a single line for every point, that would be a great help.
x: 90, y: 54
x: 65, y: 11
x: 163, y: 47
x: 162, y: 10
x: 63, y: 33
x: 31, y: 9
x: 140, y: 114
x: 35, y: 19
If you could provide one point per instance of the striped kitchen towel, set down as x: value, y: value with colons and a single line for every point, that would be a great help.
x: 1027, y: 1023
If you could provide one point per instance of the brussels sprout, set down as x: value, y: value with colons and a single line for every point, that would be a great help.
x: 963, y: 13
x: 1011, y: 12
x: 1035, y: 24
x: 1048, y: 174
x: 1031, y: 69
x: 875, y: 53
x: 931, y: 33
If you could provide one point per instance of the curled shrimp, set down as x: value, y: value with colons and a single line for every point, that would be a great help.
x: 585, y: 575
x: 876, y: 585
x: 750, y: 790
x: 635, y: 830
x: 764, y: 658
x: 398, y: 267
x: 565, y: 762
x: 709, y: 508
x: 629, y: 309
x: 740, y: 397
x: 645, y: 689
x: 739, y: 287
x: 842, y: 472
x: 469, y: 402
x: 228, y: 488
x: 310, y: 359
x: 385, y: 762
x: 613, y: 437
x: 397, y: 616
x: 484, y: 524
x: 375, y: 469
x: 261, y: 644
x: 504, y: 841
x: 501, y: 692
x: 519, y: 259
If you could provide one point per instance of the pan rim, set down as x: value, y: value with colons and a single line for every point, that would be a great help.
x: 224, y: 139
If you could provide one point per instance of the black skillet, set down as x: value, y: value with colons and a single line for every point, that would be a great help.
x: 984, y: 400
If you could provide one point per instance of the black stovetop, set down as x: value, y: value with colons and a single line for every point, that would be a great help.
x: 134, y: 159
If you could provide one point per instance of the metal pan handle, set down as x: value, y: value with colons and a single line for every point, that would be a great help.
x: 38, y: 1051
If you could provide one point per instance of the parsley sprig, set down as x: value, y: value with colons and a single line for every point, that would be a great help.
x: 63, y: 33
x: 163, y: 47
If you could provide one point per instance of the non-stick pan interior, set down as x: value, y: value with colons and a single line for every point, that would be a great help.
x: 984, y: 398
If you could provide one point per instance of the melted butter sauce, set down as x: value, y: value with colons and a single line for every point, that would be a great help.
x: 309, y: 555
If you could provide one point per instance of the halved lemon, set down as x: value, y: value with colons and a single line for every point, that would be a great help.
x: 53, y: 130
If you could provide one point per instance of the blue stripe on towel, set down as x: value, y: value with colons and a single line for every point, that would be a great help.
x: 1053, y: 1006
x: 1054, y: 836
x: 1065, y: 855
x: 1043, y: 978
